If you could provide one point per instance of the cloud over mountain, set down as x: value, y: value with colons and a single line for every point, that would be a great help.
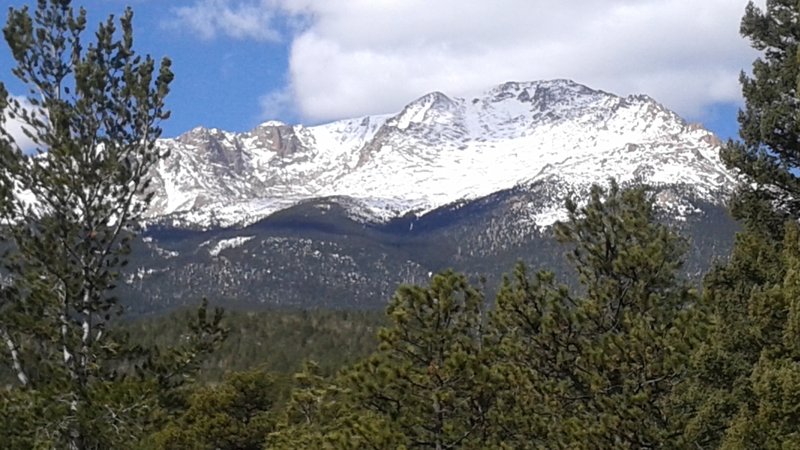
x: 351, y: 58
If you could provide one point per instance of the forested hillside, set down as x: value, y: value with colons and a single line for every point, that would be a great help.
x: 279, y: 341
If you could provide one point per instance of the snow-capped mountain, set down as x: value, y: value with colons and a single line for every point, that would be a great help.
x: 338, y: 215
x: 437, y: 151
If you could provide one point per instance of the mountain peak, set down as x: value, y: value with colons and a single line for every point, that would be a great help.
x: 438, y: 150
x: 272, y: 123
x: 202, y: 136
x: 557, y: 87
x: 422, y: 109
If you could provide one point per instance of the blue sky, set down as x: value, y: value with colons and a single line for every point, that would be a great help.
x: 242, y: 62
x: 218, y: 81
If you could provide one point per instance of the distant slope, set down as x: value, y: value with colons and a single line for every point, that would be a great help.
x: 315, y: 255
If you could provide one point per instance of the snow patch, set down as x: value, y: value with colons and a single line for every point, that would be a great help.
x: 228, y: 243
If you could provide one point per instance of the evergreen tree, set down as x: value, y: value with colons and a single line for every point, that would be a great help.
x: 429, y: 377
x: 427, y: 386
x: 769, y: 416
x: 740, y: 367
x: 235, y: 415
x: 723, y: 363
x: 322, y: 413
x: 743, y: 385
x: 768, y: 154
x: 597, y: 368
x: 68, y: 215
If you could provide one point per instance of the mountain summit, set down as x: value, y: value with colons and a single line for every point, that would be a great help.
x: 437, y: 151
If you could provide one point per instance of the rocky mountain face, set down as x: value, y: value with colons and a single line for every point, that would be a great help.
x: 339, y: 214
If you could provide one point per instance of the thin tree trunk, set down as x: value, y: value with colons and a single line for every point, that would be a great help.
x: 86, y: 336
x: 15, y: 358
x: 73, y: 434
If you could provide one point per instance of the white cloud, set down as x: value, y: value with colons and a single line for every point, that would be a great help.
x: 277, y: 103
x: 356, y: 57
x: 235, y: 19
x: 13, y: 127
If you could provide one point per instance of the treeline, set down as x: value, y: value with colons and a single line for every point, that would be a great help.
x: 278, y: 341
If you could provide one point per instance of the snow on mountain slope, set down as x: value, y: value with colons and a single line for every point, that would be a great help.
x: 436, y: 151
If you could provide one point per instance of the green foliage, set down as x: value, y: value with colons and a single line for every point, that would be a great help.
x: 141, y: 389
x: 322, y: 413
x: 723, y: 363
x: 42, y: 417
x: 743, y: 383
x: 428, y: 378
x: 425, y: 387
x: 236, y: 414
x: 768, y: 153
x: 268, y: 346
x: 68, y: 215
x: 278, y: 341
x: 597, y: 368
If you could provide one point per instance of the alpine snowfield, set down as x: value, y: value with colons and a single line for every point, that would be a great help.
x: 437, y: 151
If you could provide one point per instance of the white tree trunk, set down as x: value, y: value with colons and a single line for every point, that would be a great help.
x: 16, y: 362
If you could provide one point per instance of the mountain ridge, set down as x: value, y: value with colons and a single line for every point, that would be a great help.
x: 338, y: 215
x: 437, y: 150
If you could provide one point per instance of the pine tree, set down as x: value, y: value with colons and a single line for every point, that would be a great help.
x: 68, y: 215
x: 426, y: 387
x: 234, y: 415
x: 745, y: 361
x: 325, y: 413
x: 597, y: 368
x: 742, y: 382
x: 769, y: 417
x: 429, y: 377
x: 723, y: 363
x: 768, y: 154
